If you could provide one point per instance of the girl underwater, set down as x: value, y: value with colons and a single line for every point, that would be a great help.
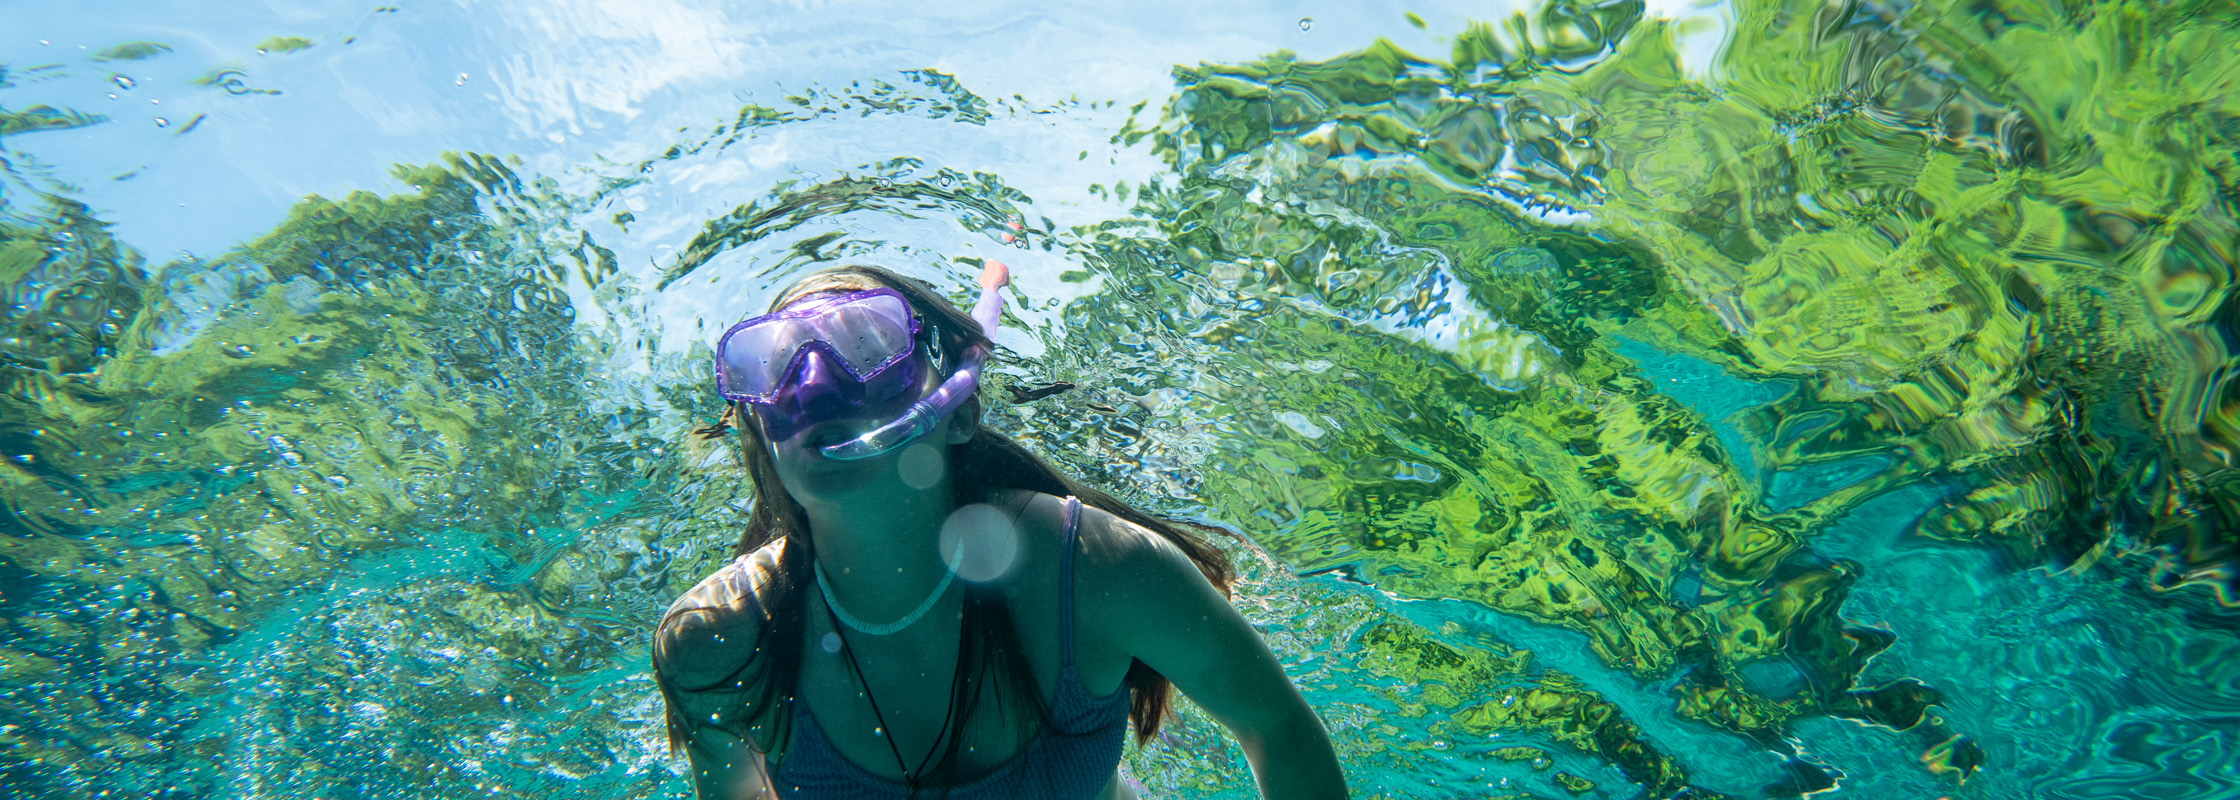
x: 919, y: 607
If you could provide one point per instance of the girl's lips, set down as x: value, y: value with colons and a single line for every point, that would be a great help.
x: 827, y: 434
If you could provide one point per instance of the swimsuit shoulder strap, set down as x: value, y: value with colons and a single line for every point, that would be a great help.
x: 1065, y: 581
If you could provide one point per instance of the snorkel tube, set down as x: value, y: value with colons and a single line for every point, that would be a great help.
x: 926, y: 414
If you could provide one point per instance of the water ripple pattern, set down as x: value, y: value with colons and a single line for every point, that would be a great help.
x: 1847, y: 413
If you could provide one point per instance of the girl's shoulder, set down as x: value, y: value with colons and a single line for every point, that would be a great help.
x: 1039, y: 522
x: 1102, y: 539
x: 713, y: 626
x: 1111, y: 547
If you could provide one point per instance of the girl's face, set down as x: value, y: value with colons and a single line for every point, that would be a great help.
x: 826, y: 407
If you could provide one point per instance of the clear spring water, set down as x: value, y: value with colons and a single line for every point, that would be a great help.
x: 1623, y: 400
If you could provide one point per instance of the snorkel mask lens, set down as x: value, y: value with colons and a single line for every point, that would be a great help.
x: 823, y: 391
x: 862, y: 333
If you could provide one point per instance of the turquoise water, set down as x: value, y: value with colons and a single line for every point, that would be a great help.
x: 1619, y: 400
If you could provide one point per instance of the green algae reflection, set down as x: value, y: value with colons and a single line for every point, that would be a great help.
x: 352, y: 462
x: 1982, y: 250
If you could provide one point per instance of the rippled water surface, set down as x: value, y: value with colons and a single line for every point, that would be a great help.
x: 1621, y: 400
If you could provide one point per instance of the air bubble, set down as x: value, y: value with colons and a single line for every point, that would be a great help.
x: 1306, y: 23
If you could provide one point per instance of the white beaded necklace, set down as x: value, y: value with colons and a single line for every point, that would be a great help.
x: 852, y: 621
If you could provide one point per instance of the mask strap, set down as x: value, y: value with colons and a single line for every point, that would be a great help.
x: 934, y: 351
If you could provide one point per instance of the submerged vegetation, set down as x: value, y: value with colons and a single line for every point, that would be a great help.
x: 1632, y: 377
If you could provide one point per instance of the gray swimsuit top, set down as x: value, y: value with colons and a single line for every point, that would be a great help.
x: 1072, y: 760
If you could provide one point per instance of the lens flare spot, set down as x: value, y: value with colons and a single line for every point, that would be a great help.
x: 980, y: 541
x: 920, y: 465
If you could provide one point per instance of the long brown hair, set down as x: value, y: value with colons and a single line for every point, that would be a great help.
x: 988, y: 462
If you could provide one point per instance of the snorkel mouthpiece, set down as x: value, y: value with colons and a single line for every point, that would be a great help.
x: 926, y: 415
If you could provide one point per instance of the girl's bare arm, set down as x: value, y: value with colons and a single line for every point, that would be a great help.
x: 1149, y: 599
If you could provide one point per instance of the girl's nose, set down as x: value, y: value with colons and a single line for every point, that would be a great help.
x: 820, y: 382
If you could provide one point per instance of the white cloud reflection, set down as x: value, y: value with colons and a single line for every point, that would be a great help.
x: 611, y: 56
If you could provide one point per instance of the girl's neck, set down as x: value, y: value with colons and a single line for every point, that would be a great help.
x: 882, y: 554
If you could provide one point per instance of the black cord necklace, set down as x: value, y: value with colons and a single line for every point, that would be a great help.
x: 910, y: 777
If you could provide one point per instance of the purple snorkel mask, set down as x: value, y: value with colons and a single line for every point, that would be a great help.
x: 832, y: 357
